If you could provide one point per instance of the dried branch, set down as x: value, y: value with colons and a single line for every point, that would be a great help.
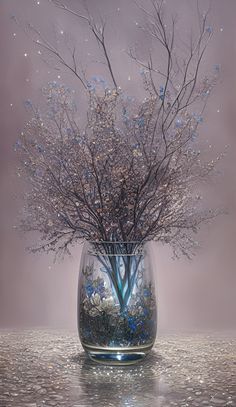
x: 128, y: 173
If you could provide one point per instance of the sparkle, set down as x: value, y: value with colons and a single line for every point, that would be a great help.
x: 25, y: 54
x: 114, y: 153
x: 38, y: 3
x: 39, y: 52
x: 11, y: 104
x: 61, y: 32
x: 221, y: 29
x: 14, y: 35
x: 218, y: 110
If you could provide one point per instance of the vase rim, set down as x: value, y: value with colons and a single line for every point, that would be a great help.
x: 117, y: 241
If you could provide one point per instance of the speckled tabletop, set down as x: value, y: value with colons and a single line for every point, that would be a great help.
x: 41, y: 368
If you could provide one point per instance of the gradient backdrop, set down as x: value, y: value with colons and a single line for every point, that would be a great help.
x: 200, y: 294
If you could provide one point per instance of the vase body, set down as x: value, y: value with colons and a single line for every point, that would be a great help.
x: 117, y: 314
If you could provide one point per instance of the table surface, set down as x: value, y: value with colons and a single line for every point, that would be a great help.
x: 44, y: 368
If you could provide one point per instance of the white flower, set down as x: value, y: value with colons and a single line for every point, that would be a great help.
x: 86, y: 304
x: 94, y: 312
x: 107, y: 304
x: 95, y: 300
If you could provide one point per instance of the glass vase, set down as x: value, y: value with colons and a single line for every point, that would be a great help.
x: 117, y: 315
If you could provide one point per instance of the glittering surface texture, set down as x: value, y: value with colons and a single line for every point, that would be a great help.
x: 39, y: 368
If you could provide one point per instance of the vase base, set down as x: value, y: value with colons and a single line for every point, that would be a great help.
x: 117, y: 356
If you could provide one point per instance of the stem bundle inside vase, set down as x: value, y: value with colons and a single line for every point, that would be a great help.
x: 116, y: 300
x: 120, y: 261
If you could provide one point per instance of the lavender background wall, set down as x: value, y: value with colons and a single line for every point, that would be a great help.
x: 192, y: 295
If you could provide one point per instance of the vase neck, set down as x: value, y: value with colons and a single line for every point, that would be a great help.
x: 119, y: 248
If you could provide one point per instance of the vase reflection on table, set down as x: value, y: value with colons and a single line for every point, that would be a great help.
x: 117, y: 315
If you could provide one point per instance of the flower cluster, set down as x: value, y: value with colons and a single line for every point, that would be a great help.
x: 95, y: 287
x: 99, y: 308
x: 97, y: 298
x: 96, y: 305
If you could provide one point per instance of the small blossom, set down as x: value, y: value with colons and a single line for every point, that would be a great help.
x: 179, y: 123
x: 209, y: 29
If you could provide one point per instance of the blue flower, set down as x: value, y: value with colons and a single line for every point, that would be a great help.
x: 96, y: 78
x: 28, y: 104
x: 69, y: 131
x: 53, y: 84
x: 89, y: 289
x: 18, y: 145
x: 132, y: 324
x: 145, y: 311
x: 179, y: 123
x: 137, y: 145
x: 91, y: 87
x: 87, y: 174
x: 39, y: 172
x: 100, y: 288
x: 39, y: 148
x: 147, y: 292
x: 162, y: 92
x: 209, y: 29
x: 140, y: 121
x: 216, y: 68
x: 194, y: 135
x: 126, y: 118
x: 198, y: 118
x: 76, y: 140
x: 124, y: 111
x: 206, y: 93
